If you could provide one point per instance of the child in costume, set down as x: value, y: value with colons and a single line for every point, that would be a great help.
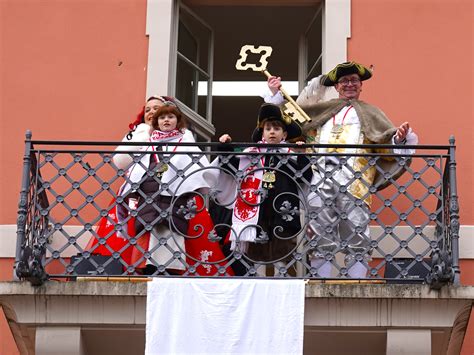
x: 164, y: 184
x: 265, y: 218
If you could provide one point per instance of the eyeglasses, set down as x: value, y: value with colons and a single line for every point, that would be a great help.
x: 345, y: 82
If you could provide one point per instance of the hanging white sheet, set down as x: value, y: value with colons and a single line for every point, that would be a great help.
x: 224, y: 316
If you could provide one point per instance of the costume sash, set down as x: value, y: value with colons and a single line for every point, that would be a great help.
x: 247, y: 204
x: 136, y: 172
x: 246, y: 208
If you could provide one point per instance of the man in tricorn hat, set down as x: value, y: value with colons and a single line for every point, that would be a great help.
x: 342, y: 199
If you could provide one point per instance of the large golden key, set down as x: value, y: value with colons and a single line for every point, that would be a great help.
x: 291, y: 108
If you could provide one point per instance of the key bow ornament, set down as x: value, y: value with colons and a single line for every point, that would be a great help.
x: 291, y: 108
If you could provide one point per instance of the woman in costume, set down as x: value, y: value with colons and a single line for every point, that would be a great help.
x: 106, y: 227
x: 133, y: 245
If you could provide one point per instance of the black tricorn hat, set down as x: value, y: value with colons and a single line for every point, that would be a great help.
x: 270, y: 112
x: 347, y: 68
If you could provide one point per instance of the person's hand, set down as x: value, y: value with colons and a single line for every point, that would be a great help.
x: 274, y: 84
x: 299, y: 150
x: 225, y: 138
x: 402, y: 132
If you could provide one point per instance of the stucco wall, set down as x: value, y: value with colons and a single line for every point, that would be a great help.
x: 422, y: 53
x: 77, y: 69
x: 70, y: 70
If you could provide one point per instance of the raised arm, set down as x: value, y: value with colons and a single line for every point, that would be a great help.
x: 225, y: 139
x: 314, y: 92
x: 405, y: 135
x: 401, y: 134
x: 276, y: 98
x: 141, y: 134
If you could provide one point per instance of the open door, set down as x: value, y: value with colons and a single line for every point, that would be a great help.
x: 194, y: 45
x: 210, y: 35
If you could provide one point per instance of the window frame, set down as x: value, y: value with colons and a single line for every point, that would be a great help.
x: 202, y: 125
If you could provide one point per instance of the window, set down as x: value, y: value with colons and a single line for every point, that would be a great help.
x: 313, y: 49
x: 194, y: 64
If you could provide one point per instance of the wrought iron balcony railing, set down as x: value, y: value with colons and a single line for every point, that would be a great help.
x: 258, y: 213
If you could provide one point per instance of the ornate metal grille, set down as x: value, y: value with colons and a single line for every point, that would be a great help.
x: 263, y: 212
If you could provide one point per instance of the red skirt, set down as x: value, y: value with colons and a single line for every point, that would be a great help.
x: 205, y: 255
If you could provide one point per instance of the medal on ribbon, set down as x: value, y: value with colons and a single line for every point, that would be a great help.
x: 161, y: 169
x: 268, y: 179
x: 337, y: 130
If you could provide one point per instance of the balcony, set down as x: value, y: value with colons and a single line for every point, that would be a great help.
x: 68, y: 230
x: 73, y: 222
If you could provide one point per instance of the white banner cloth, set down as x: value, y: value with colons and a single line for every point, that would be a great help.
x: 224, y: 316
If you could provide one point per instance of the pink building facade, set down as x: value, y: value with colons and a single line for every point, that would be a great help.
x: 80, y: 70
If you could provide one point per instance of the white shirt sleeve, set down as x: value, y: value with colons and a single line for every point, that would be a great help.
x: 410, y: 139
x: 276, y: 99
x: 141, y: 134
x: 314, y: 92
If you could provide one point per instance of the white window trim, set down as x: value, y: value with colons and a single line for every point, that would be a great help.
x: 336, y: 31
x: 161, y: 29
x: 160, y: 15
